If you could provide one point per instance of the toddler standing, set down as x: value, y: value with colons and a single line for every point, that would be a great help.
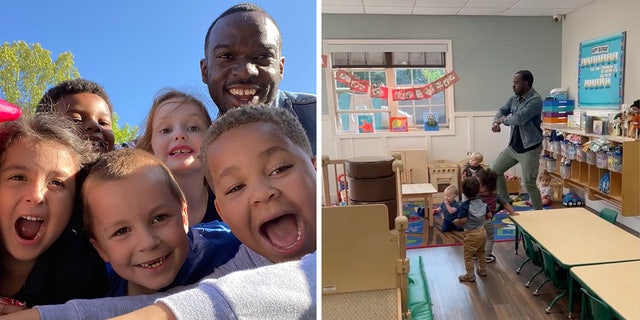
x: 488, y: 180
x: 473, y: 166
x: 471, y: 215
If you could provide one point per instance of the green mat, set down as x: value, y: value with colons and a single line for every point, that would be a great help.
x: 418, y: 290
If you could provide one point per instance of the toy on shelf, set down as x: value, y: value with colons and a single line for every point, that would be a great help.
x: 633, y: 119
x: 571, y: 199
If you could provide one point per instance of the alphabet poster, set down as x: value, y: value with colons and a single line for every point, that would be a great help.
x: 601, y: 72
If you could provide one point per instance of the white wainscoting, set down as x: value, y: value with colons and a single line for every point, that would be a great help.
x: 472, y: 133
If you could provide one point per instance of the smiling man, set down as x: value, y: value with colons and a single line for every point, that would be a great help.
x: 244, y: 65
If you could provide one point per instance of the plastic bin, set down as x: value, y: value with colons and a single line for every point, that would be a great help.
x: 581, y: 155
x: 555, y: 147
x: 571, y: 151
x: 602, y: 160
x: 550, y: 164
x: 591, y: 157
x: 565, y: 171
x: 615, y: 160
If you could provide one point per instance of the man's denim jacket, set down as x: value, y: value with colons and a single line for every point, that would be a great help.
x: 526, y: 114
x: 304, y: 106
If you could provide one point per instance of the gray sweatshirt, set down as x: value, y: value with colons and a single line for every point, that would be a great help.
x: 245, y: 259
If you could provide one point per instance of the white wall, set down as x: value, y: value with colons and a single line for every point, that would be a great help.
x: 598, y: 19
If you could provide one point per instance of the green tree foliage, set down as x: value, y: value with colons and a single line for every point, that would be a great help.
x: 27, y: 71
x: 125, y: 134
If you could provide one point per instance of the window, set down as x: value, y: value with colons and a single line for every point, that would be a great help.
x: 367, y: 79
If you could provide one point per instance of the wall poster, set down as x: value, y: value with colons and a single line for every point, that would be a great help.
x: 601, y: 72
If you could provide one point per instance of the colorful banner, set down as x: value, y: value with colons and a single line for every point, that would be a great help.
x: 378, y: 91
x: 397, y: 94
x: 403, y: 94
x: 345, y: 77
x: 360, y: 86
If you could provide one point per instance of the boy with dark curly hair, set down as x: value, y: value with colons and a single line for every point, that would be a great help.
x: 87, y: 104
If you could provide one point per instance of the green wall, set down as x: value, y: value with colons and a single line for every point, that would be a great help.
x: 487, y: 50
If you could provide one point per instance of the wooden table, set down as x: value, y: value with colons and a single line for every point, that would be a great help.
x: 576, y: 237
x: 424, y: 190
x: 617, y: 284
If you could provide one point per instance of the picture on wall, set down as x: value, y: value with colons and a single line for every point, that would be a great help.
x: 365, y: 123
x: 398, y: 124
x: 431, y: 121
x: 601, y: 72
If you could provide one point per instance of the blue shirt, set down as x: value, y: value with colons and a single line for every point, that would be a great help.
x: 210, y: 245
x: 448, y: 216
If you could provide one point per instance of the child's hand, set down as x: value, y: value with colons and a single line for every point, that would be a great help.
x: 437, y: 210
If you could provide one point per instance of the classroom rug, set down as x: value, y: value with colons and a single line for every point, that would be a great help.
x: 420, y: 235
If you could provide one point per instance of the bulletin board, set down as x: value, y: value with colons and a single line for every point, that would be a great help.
x: 601, y: 72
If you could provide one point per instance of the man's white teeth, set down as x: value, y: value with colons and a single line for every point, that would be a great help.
x: 32, y: 218
x: 153, y: 264
x: 242, y: 92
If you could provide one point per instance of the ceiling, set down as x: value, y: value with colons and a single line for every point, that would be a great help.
x: 455, y: 7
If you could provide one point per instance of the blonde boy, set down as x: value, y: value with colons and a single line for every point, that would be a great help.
x: 137, y: 219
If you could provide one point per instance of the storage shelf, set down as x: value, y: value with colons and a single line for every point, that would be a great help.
x: 564, y: 128
x: 624, y: 191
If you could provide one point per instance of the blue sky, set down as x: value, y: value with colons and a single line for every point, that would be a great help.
x: 135, y: 48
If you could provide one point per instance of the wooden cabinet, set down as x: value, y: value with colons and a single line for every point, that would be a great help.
x: 415, y: 165
x: 586, y: 173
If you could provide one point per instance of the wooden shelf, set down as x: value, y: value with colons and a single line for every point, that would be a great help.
x: 624, y: 185
x: 563, y: 128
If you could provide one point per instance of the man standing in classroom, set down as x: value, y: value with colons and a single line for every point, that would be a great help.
x: 522, y: 112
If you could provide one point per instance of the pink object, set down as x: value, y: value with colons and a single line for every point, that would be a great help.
x: 8, y: 112
x: 9, y: 301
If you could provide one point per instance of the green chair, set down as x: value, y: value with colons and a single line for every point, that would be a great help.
x: 609, y: 215
x: 558, y: 276
x: 534, y: 255
x: 594, y: 308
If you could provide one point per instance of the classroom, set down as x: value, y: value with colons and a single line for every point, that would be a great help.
x: 411, y: 91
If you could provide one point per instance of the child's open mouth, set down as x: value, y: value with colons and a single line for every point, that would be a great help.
x: 28, y: 227
x: 283, y: 232
x: 154, y: 263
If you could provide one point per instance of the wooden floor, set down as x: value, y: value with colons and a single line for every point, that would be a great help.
x: 500, y: 295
